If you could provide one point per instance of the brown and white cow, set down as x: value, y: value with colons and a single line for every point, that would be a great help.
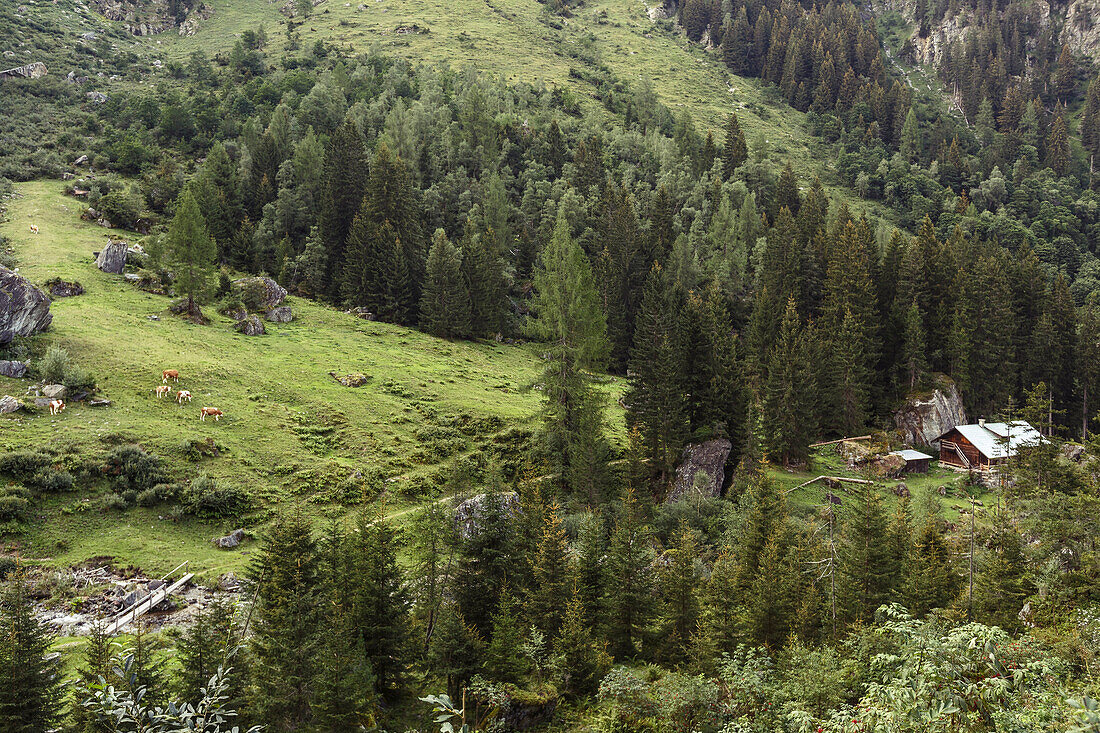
x: 210, y: 412
x: 34, y: 229
x: 182, y: 396
x: 56, y: 406
x: 172, y: 374
x: 163, y: 391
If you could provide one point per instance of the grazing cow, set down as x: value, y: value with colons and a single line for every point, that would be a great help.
x: 183, y: 395
x: 56, y: 406
x: 172, y: 374
x: 163, y: 391
x: 34, y: 229
x: 210, y: 412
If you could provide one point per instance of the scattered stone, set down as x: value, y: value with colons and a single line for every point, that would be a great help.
x: 1073, y: 452
x: 99, y: 402
x: 13, y: 369
x: 81, y: 160
x: 96, y: 97
x: 888, y: 466
x: 250, y: 326
x: 64, y: 289
x: 229, y: 582
x: 702, y: 469
x: 282, y: 314
x: 231, y: 540
x: 260, y: 293
x: 9, y: 404
x: 55, y: 391
x: 901, y: 491
x: 30, y: 71
x: 24, y: 309
x: 351, y: 380
x: 363, y: 313
x: 112, y: 259
x: 42, y: 402
x: 942, y: 491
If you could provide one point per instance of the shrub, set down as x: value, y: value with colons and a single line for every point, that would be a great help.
x: 54, y: 365
x: 12, y: 507
x: 133, y: 468
x: 53, y: 481
x: 205, y: 498
x: 253, y: 294
x: 23, y: 464
x: 8, y: 566
x: 156, y: 495
x: 78, y: 379
x: 113, y: 502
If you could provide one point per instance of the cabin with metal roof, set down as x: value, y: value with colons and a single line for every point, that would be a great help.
x: 915, y: 461
x: 985, y: 444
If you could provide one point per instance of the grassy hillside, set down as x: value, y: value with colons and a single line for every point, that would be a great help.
x: 291, y: 433
x: 520, y: 41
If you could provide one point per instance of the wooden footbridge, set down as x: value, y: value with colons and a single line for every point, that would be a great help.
x: 144, y: 605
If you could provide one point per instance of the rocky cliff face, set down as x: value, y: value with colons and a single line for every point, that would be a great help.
x: 24, y: 309
x: 150, y: 17
x: 701, y: 469
x: 925, y: 417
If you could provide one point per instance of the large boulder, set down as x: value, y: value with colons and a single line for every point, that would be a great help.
x: 260, y: 293
x: 469, y: 513
x: 282, y: 314
x: 702, y: 469
x: 231, y: 540
x: 13, y: 369
x: 924, y: 417
x: 55, y: 391
x: 112, y: 259
x: 9, y: 404
x: 250, y: 326
x: 24, y: 309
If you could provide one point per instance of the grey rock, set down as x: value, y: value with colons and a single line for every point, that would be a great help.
x: 260, y: 293
x: 55, y: 391
x: 9, y: 404
x: 24, y: 309
x: 231, y: 540
x: 702, y: 469
x: 250, y: 326
x: 99, y: 402
x: 923, y: 418
x: 282, y: 314
x: 81, y: 160
x: 63, y: 289
x: 1073, y: 452
x: 42, y: 401
x: 13, y: 369
x: 30, y: 71
x: 468, y: 514
x: 113, y: 258
x: 229, y: 582
x: 96, y: 97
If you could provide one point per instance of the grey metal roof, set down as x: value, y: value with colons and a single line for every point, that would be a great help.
x: 1001, y: 440
x: 911, y: 455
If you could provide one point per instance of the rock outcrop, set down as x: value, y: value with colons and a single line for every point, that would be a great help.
x: 469, y: 513
x: 250, y: 326
x: 231, y: 540
x: 925, y: 417
x: 24, y: 309
x: 702, y: 469
x: 13, y: 369
x: 260, y: 294
x: 112, y: 258
x: 282, y: 314
x: 9, y: 404
x: 30, y: 71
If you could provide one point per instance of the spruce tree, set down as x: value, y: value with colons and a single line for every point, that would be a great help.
x: 284, y: 641
x: 343, y: 686
x: 30, y: 691
x: 867, y: 569
x: 211, y: 642
x: 456, y: 650
x: 483, y: 269
x: 95, y: 663
x: 629, y: 605
x: 931, y: 582
x: 504, y: 661
x: 345, y: 175
x: 914, y: 362
x: 1058, y: 151
x: 445, y: 302
x: 582, y: 658
x: 190, y: 251
x: 217, y: 192
x: 734, y: 151
x: 789, y: 417
x: 680, y: 606
x: 550, y: 572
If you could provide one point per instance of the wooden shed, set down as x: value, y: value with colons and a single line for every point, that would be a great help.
x: 985, y: 444
x: 915, y: 461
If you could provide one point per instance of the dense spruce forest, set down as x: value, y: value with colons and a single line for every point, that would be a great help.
x: 572, y: 583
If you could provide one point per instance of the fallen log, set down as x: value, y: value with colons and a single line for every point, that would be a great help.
x: 839, y: 440
x: 831, y: 478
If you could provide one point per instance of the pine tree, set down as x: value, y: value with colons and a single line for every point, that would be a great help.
x: 1088, y: 360
x: 456, y: 650
x: 867, y: 569
x: 719, y: 623
x: 284, y: 640
x: 483, y: 269
x: 211, y: 642
x: 1002, y: 583
x: 504, y: 661
x: 621, y: 270
x: 445, y: 302
x: 790, y: 394
x: 95, y: 663
x: 655, y: 397
x: 931, y: 582
x: 217, y: 192
x: 628, y: 605
x: 910, y: 144
x: 343, y: 686
x: 190, y: 251
x: 570, y: 321
x: 914, y: 361
x: 30, y: 694
x: 852, y: 376
x: 734, y: 151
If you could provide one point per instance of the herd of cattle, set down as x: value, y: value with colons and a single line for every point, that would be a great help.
x: 163, y: 390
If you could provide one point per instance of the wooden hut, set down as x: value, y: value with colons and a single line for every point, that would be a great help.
x: 985, y: 444
x: 915, y: 461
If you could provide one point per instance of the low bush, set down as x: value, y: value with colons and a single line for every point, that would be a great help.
x: 53, y: 366
x: 8, y: 566
x: 131, y: 468
x: 52, y: 481
x: 23, y: 464
x: 157, y: 495
x: 205, y: 498
x: 12, y: 508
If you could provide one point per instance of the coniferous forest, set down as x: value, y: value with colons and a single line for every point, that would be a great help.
x: 688, y: 512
